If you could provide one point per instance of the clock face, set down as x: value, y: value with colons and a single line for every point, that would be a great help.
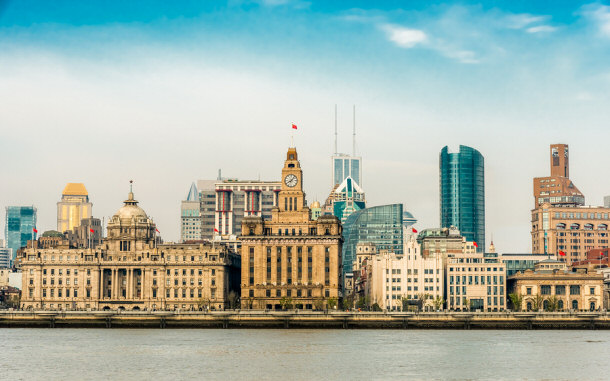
x: 291, y: 180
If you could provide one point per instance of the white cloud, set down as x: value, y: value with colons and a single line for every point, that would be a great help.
x: 404, y: 37
x: 463, y: 56
x: 600, y: 15
x: 541, y: 29
x: 520, y: 21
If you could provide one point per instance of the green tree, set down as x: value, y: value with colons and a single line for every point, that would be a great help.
x: 348, y: 302
x: 363, y: 302
x: 204, y: 303
x: 537, y: 305
x: 319, y: 303
x: 438, y: 303
x: 233, y: 300
x: 552, y: 304
x: 516, y: 300
x: 405, y: 302
x: 376, y: 307
x: 331, y: 303
x: 286, y: 303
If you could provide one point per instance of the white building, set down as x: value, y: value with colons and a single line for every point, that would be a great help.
x: 392, y: 278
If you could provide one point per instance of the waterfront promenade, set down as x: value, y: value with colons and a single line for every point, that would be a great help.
x: 306, y: 319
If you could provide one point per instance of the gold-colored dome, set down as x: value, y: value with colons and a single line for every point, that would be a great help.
x: 315, y: 204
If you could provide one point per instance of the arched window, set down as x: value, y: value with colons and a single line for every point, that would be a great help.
x: 545, y: 305
x: 602, y: 227
x: 592, y: 306
x: 529, y: 306
x: 575, y: 226
x: 575, y: 304
x: 561, y: 226
x: 560, y: 305
x: 588, y: 227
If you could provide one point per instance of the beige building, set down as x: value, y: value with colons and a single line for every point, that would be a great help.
x: 574, y: 230
x: 129, y: 270
x: 290, y: 260
x: 551, y: 287
x: 476, y: 281
x: 390, y: 278
x: 446, y: 242
x: 560, y: 221
x: 73, y: 207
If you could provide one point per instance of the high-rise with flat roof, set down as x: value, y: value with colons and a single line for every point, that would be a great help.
x: 462, y: 192
x: 19, y: 227
x: 558, y: 189
x: 73, y: 207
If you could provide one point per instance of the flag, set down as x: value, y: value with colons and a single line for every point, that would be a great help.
x: 91, y: 231
x: 34, y: 230
x: 157, y: 230
x: 414, y: 230
x: 562, y: 253
x: 294, y: 126
x: 216, y: 230
x: 475, y: 244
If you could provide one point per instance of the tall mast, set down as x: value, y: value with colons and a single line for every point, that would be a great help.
x: 335, y: 129
x: 354, y: 134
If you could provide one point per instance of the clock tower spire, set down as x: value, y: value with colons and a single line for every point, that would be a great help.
x: 292, y: 198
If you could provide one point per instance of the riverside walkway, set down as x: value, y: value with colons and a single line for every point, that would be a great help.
x: 306, y: 319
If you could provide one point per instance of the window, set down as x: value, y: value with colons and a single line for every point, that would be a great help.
x: 528, y: 291
x: 575, y: 290
x: 560, y: 290
x: 545, y: 289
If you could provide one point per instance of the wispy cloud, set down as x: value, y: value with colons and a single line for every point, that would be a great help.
x: 541, y: 29
x: 404, y: 37
x: 600, y: 15
x: 522, y: 20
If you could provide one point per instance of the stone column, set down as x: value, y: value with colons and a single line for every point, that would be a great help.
x: 129, y: 283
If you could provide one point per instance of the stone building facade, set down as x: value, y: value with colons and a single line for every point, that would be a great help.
x: 130, y: 271
x: 551, y: 283
x: 290, y: 260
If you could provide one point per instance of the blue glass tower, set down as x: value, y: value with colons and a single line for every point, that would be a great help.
x: 381, y: 225
x: 462, y: 193
x: 19, y: 227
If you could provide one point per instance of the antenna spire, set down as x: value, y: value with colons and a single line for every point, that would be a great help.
x: 335, y: 128
x: 354, y: 135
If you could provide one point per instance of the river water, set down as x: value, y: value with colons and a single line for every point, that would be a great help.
x: 175, y: 354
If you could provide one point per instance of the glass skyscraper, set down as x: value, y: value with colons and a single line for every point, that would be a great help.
x: 462, y: 193
x: 345, y: 166
x: 19, y: 228
x: 380, y: 225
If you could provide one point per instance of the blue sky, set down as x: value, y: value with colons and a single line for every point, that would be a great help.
x: 168, y: 92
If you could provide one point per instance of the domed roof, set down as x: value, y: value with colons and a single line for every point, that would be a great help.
x: 131, y: 209
x: 315, y: 204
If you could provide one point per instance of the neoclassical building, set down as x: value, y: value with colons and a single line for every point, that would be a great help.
x: 129, y: 270
x: 291, y: 260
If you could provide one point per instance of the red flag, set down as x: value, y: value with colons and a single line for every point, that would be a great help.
x: 91, y: 231
x: 562, y: 253
x: 157, y: 230
x: 216, y: 230
x: 475, y: 244
x: 414, y: 230
x: 34, y: 230
x: 294, y: 126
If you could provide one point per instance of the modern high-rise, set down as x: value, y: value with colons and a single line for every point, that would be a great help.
x: 379, y: 225
x: 462, y: 192
x: 5, y: 255
x: 345, y: 166
x: 73, y: 207
x: 558, y: 189
x: 19, y: 227
x: 607, y: 201
x: 225, y: 202
x: 190, y: 216
x: 348, y: 198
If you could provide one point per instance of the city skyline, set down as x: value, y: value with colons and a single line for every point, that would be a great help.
x: 104, y: 94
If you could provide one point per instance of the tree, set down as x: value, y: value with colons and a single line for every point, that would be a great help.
x: 405, y: 303
x: 376, y: 307
x: 438, y: 303
x: 319, y: 303
x: 248, y: 302
x: 331, y: 303
x: 552, y: 303
x: 204, y: 303
x: 537, y: 305
x: 517, y: 301
x: 233, y: 300
x: 286, y: 303
x: 363, y: 302
x: 348, y: 302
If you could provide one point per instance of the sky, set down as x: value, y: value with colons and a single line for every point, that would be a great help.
x: 166, y: 93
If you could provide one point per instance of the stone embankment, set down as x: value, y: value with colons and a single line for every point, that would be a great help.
x: 305, y: 319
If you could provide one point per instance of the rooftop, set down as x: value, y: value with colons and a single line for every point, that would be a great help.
x: 75, y: 189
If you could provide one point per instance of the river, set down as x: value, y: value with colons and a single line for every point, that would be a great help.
x: 234, y: 354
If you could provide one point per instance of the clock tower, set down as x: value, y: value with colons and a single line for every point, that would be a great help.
x: 291, y: 198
